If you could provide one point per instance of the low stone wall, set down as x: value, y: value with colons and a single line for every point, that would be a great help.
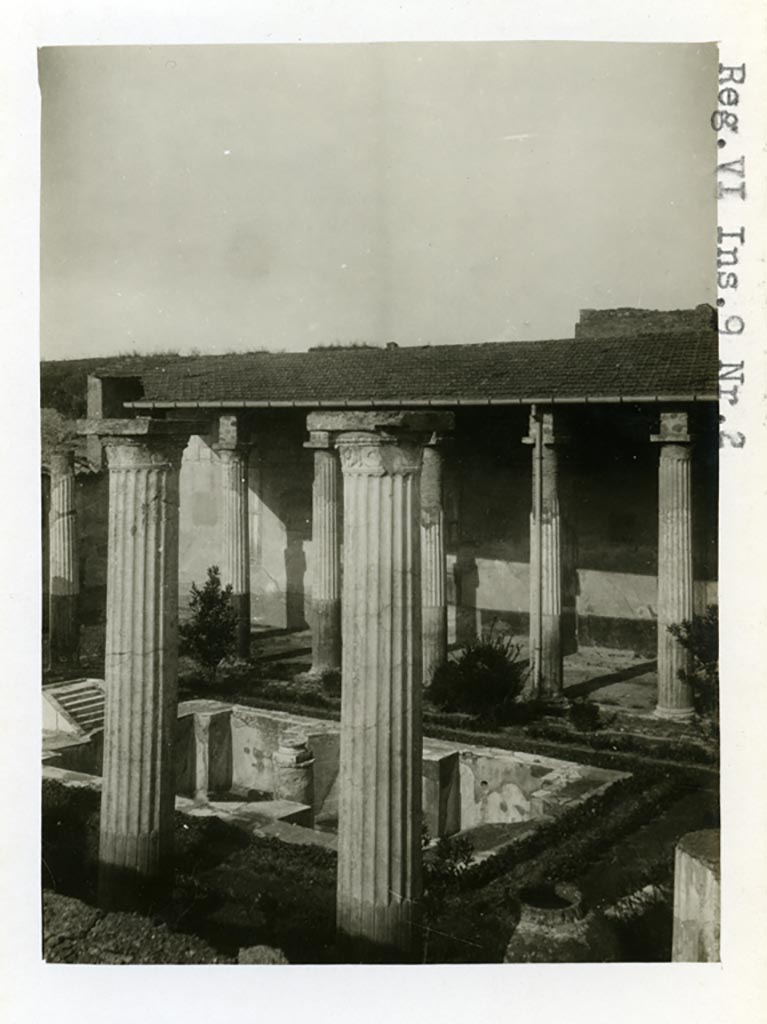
x: 223, y: 748
x: 463, y: 786
x: 255, y: 738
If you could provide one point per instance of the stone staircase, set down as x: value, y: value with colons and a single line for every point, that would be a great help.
x: 75, y: 707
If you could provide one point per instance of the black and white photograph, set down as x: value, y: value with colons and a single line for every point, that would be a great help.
x: 379, y: 396
x: 385, y: 478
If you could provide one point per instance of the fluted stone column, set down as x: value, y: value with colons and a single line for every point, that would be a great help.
x: 433, y: 569
x: 233, y: 459
x: 326, y: 559
x: 64, y: 569
x: 675, y: 575
x: 137, y: 798
x: 545, y: 562
x: 379, y: 851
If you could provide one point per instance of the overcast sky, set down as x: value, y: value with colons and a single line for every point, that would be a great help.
x: 229, y: 198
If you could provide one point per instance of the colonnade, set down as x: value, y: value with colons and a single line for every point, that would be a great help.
x: 547, y: 437
x: 381, y: 473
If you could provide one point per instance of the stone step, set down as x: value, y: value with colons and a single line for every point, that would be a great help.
x: 89, y: 712
x: 81, y: 700
x: 81, y: 713
x: 74, y: 707
x: 250, y: 814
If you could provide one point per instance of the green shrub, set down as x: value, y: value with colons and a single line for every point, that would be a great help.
x: 484, y: 679
x: 700, y: 636
x: 210, y: 634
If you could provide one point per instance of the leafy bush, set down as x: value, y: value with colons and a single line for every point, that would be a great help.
x: 585, y: 715
x: 210, y: 634
x: 700, y: 636
x: 331, y: 683
x: 485, y: 679
x: 443, y: 868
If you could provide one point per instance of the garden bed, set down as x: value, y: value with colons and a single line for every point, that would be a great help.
x: 233, y: 889
x: 618, y: 743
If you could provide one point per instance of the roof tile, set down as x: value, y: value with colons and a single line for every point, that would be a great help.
x: 650, y: 365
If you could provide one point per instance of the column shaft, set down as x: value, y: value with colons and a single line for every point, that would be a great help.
x: 137, y: 799
x: 64, y: 569
x: 433, y: 564
x: 697, y: 898
x: 326, y: 579
x: 379, y: 856
x: 545, y: 567
x: 675, y: 578
x: 234, y: 489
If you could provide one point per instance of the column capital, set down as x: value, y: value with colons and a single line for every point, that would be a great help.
x: 320, y: 440
x: 229, y: 436
x: 378, y: 442
x: 157, y: 439
x: 396, y: 424
x: 366, y: 453
x: 439, y: 440
x: 674, y: 428
x: 62, y: 460
x: 551, y: 434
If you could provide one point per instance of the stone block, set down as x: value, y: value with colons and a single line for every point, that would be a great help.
x: 441, y: 791
x: 325, y: 745
x: 293, y: 767
x: 287, y: 811
x: 184, y: 754
x: 203, y: 749
x: 256, y: 737
x: 261, y: 955
x: 495, y: 788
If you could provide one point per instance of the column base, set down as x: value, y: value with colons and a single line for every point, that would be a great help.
x: 122, y: 889
x: 379, y: 934
x: 674, y: 714
x: 557, y: 702
x: 241, y: 605
x: 326, y: 638
x: 63, y: 632
x: 434, y: 621
x: 319, y: 675
x: 141, y: 883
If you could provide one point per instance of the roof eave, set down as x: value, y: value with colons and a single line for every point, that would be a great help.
x: 341, y: 403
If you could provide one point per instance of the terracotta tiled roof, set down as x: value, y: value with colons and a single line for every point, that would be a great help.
x: 651, y: 366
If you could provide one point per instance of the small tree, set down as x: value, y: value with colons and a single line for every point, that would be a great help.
x: 210, y: 633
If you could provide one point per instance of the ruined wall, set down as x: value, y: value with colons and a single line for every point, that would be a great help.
x: 631, y: 323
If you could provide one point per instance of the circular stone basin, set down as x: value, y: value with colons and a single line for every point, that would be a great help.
x: 545, y: 897
x: 549, y: 904
x: 554, y: 927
